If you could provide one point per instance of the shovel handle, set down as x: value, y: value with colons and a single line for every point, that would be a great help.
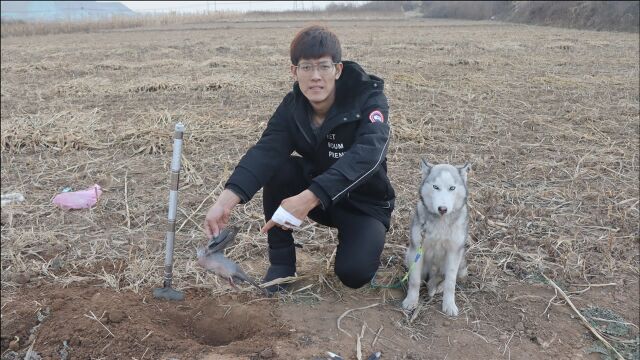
x: 173, y: 203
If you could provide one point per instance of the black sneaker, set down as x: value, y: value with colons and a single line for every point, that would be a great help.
x: 283, y: 264
x: 276, y: 272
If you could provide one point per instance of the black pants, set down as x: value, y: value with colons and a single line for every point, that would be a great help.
x: 361, y: 237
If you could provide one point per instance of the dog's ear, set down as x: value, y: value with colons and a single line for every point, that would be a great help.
x: 425, y: 167
x: 464, y: 170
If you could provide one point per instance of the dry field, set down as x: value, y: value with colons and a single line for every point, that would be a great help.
x: 547, y: 116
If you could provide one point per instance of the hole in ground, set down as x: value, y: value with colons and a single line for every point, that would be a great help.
x: 218, y: 325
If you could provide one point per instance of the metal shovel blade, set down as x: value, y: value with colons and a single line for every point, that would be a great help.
x: 168, y: 293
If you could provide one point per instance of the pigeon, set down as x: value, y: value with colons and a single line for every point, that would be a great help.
x: 212, y: 259
x: 224, y: 239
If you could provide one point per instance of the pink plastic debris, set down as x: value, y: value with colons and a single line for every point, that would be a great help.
x: 82, y: 199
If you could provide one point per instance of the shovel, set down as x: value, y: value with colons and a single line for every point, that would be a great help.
x: 167, y: 292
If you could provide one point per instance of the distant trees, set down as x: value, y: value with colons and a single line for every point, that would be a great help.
x: 595, y: 15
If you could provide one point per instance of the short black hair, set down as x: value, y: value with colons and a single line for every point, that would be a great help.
x: 314, y: 42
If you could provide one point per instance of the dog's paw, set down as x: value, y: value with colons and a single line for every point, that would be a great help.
x: 450, y: 308
x: 410, y: 304
x: 434, y: 289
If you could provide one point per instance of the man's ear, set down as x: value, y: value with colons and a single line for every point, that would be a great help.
x: 425, y: 168
x: 294, y: 72
x: 339, y: 68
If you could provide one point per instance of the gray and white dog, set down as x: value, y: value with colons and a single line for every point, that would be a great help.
x: 439, y: 231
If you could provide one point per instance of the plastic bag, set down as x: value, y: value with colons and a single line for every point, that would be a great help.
x: 82, y: 199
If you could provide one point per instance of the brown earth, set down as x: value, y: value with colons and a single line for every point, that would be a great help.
x: 548, y: 117
x: 512, y: 323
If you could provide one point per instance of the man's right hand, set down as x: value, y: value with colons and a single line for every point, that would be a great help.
x: 218, y: 215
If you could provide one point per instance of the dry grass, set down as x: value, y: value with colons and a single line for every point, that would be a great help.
x: 22, y: 28
x: 163, y: 20
x: 548, y: 118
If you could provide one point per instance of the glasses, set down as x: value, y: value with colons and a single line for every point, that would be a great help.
x: 324, y: 68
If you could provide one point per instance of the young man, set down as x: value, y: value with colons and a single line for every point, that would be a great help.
x: 336, y: 119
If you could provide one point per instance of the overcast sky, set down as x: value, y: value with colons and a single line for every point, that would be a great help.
x: 198, y: 6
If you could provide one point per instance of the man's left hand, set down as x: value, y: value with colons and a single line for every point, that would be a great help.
x: 298, y: 206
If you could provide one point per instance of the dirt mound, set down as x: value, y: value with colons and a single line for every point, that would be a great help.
x: 594, y: 15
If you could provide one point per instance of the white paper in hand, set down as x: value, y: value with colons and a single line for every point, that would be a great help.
x: 284, y: 218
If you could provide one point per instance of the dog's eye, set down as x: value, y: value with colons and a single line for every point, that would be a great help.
x: 452, y: 188
x: 436, y: 187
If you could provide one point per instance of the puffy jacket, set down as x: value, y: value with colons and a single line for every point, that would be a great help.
x: 346, y: 157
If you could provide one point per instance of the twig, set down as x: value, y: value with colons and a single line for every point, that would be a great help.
x: 595, y: 285
x: 614, y: 321
x: 333, y: 254
x: 331, y: 287
x: 524, y: 297
x: 126, y: 201
x: 30, y: 351
x: 202, y: 203
x: 419, y: 308
x: 478, y: 335
x: 190, y: 219
x: 415, y: 313
x: 146, y: 336
x: 377, y: 334
x: 586, y: 323
x: 93, y: 317
x: 506, y: 345
x: 549, y: 304
x: 284, y: 280
x: 145, y: 351
x: 350, y: 310
x: 359, y: 342
x: 303, y: 288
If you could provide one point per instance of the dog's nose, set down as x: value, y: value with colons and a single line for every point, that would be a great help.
x: 442, y: 210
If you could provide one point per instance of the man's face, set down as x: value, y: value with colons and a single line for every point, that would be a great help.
x: 317, y: 78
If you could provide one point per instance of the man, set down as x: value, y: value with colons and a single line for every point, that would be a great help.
x: 336, y: 119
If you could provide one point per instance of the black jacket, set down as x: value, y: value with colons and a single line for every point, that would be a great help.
x: 347, y: 157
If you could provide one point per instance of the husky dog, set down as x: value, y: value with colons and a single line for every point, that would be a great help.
x: 439, y: 231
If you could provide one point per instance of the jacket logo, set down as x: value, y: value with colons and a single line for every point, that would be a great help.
x: 334, y: 147
x: 376, y: 116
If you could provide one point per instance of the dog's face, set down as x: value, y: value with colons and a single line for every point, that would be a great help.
x: 444, y: 187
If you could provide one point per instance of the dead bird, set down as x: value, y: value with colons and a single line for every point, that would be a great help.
x: 212, y: 259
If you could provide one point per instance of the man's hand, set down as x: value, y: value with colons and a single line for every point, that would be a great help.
x: 218, y: 216
x: 298, y: 206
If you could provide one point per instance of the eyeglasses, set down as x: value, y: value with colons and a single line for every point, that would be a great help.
x: 324, y: 68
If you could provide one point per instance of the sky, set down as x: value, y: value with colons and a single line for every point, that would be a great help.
x: 200, y: 6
